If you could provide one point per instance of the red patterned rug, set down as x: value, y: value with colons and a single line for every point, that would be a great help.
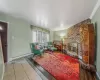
x: 61, y: 66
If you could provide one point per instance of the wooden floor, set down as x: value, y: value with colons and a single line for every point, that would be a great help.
x: 20, y: 71
x: 86, y: 75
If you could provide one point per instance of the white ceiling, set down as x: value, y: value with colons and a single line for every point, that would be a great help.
x: 52, y: 14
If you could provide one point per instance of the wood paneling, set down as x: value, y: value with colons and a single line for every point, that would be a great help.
x: 88, y: 43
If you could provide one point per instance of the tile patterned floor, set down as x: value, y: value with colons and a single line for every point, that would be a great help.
x: 20, y: 70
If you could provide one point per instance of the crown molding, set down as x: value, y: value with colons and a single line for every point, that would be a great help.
x: 98, y: 75
x: 95, y: 9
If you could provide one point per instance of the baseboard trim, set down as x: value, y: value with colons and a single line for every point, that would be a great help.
x: 17, y: 57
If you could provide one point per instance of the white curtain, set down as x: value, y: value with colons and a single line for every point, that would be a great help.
x: 34, y: 36
x: 40, y: 36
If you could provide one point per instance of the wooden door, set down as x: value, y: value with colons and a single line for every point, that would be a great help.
x: 3, y: 33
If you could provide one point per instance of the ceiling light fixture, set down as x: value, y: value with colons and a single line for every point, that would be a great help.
x: 61, y: 25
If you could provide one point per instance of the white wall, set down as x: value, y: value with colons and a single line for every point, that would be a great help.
x: 96, y: 20
x: 57, y: 34
x: 19, y: 36
x: 1, y: 63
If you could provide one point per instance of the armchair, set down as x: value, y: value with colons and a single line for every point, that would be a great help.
x: 35, y: 50
x: 51, y: 46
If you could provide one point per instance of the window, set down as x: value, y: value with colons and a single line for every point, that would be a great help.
x: 40, y: 36
x: 34, y: 36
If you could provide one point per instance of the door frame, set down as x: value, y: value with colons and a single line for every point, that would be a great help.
x: 8, y: 55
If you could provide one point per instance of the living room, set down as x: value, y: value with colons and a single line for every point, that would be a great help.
x: 48, y: 40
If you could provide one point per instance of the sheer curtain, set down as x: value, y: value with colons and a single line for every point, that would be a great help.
x: 40, y: 36
x: 34, y: 34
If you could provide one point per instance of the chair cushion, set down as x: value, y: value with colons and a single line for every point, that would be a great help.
x: 37, y: 47
x: 52, y: 48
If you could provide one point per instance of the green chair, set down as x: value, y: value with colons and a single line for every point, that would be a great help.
x: 51, y: 46
x: 50, y: 43
x: 34, y: 50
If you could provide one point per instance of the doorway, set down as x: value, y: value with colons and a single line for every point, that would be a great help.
x: 3, y: 34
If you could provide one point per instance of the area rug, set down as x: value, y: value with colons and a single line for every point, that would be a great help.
x: 64, y: 57
x: 59, y: 67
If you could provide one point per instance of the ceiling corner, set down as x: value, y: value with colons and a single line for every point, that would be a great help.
x: 95, y: 9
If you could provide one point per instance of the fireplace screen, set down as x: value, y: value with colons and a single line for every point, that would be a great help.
x: 73, y: 47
